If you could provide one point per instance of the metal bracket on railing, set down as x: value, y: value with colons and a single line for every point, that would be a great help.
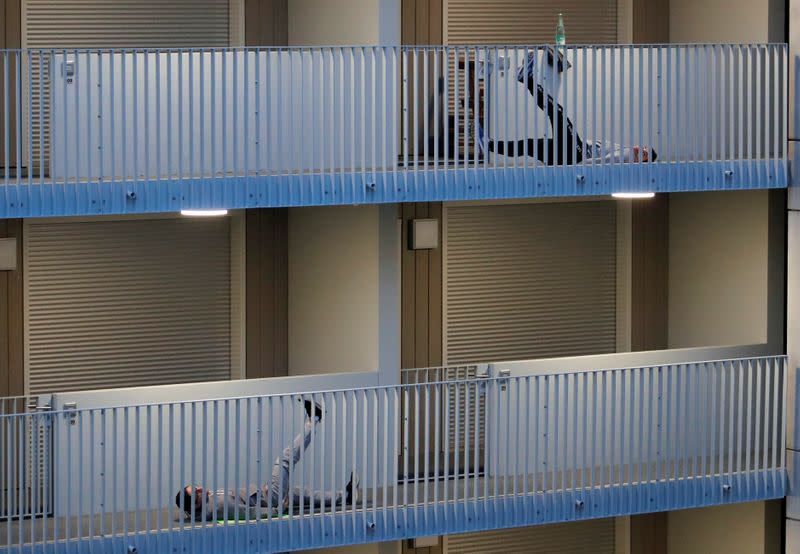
x: 726, y: 488
x: 580, y: 179
x: 579, y: 504
x: 68, y: 70
x: 43, y: 403
x: 728, y: 173
x: 485, y: 374
x: 503, y: 375
x: 69, y: 412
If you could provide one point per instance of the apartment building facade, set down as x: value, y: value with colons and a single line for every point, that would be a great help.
x: 375, y: 227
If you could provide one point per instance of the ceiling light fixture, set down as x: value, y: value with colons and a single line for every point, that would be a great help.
x: 204, y: 213
x: 633, y: 195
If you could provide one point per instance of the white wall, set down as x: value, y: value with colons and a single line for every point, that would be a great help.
x: 333, y: 289
x: 718, y: 254
x: 733, y: 529
x: 726, y: 20
x: 350, y: 22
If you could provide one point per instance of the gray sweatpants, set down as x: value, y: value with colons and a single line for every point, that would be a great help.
x: 279, y: 486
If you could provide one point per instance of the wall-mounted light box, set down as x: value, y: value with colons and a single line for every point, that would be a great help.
x: 8, y: 254
x: 423, y: 234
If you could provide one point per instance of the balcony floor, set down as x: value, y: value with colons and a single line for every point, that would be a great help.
x: 370, y: 522
x: 417, y: 184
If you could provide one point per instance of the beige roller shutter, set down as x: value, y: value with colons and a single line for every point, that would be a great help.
x: 595, y: 537
x: 125, y: 23
x: 108, y: 24
x: 529, y: 281
x: 127, y: 303
x: 529, y: 21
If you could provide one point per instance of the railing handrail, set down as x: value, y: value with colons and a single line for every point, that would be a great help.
x: 409, y: 47
x: 398, y: 386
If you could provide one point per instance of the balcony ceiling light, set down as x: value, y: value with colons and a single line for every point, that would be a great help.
x: 204, y: 213
x: 633, y: 195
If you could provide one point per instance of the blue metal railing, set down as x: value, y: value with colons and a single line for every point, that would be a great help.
x: 446, y: 452
x: 114, y: 131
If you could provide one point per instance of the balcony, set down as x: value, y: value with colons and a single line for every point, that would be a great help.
x: 88, y: 132
x: 448, y: 450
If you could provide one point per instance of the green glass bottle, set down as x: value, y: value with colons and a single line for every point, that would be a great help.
x: 561, y: 37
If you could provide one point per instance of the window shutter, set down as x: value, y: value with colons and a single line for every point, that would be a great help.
x: 127, y: 303
x: 104, y: 24
x: 529, y: 21
x: 595, y: 536
x: 529, y: 281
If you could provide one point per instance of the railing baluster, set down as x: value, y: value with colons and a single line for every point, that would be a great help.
x: 724, y: 425
x: 537, y: 56
x: 602, y: 490
x: 776, y: 423
x: 365, y: 468
x: 716, y: 426
x: 170, y: 471
x: 135, y: 73
x: 517, y: 443
x: 548, y: 484
x: 537, y: 432
x: 732, y: 454
x: 706, y: 466
x: 784, y: 414
x: 593, y: 469
x: 160, y: 465
x: 558, y: 465
x: 578, y: 472
x: 691, y: 431
x: 697, y: 425
x: 6, y: 125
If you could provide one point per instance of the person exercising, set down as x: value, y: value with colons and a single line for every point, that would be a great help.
x: 569, y: 148
x: 273, y: 498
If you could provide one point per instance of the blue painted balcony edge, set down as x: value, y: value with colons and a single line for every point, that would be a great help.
x: 366, y: 525
x: 45, y: 199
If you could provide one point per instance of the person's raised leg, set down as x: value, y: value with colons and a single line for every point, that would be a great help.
x: 279, y: 485
x: 555, y: 114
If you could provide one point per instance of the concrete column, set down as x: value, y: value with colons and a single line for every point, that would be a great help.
x: 389, y: 244
x: 792, y: 537
x: 793, y: 351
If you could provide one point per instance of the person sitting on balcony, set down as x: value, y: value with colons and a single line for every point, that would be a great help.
x: 274, y: 496
x: 568, y: 148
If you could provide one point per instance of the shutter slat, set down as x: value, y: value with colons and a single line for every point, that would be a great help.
x: 595, y: 536
x: 541, y: 281
x: 139, y: 312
